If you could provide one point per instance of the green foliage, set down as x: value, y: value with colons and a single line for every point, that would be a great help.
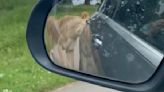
x: 18, y: 71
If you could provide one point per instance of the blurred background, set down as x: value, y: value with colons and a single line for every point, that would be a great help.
x: 18, y: 71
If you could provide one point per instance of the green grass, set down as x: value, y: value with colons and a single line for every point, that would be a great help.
x: 73, y: 10
x: 18, y: 71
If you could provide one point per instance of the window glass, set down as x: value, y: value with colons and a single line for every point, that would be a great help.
x: 145, y: 18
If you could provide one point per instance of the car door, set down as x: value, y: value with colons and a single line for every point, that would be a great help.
x: 127, y: 54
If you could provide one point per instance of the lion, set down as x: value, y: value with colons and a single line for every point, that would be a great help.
x: 73, y: 44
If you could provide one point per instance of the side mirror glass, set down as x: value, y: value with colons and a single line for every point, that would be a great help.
x: 81, y: 39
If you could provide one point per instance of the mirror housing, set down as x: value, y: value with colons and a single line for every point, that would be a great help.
x: 35, y: 41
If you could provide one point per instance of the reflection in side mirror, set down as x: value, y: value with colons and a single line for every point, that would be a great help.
x: 64, y: 31
x: 96, y: 45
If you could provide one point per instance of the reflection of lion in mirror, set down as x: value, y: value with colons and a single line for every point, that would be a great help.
x: 72, y: 43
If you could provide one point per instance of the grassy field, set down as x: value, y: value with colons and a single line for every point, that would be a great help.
x: 18, y: 71
x: 74, y: 10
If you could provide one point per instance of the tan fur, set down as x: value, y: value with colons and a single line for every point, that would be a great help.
x: 53, y: 28
x: 52, y: 31
x: 71, y: 28
x: 85, y: 15
x: 73, y: 49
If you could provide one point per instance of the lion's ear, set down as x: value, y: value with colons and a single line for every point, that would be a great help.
x: 84, y: 15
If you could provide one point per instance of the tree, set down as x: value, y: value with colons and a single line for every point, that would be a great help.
x: 102, y: 1
x: 87, y: 2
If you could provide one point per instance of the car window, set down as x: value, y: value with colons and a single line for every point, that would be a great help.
x: 127, y: 37
x: 145, y: 18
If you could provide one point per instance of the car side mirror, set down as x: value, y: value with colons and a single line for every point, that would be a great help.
x: 82, y: 42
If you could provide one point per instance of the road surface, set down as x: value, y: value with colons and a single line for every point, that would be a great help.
x: 83, y: 87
